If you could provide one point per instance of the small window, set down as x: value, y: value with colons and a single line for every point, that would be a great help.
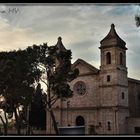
x: 122, y: 95
x: 100, y: 124
x: 109, y: 126
x: 108, y: 78
x: 121, y: 59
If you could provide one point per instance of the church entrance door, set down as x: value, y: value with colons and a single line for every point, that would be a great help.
x: 80, y: 121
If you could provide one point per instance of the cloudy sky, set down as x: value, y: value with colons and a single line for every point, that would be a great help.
x: 81, y: 26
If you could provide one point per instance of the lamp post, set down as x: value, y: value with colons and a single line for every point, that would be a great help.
x: 28, y: 119
x: 115, y: 119
x: 68, y: 104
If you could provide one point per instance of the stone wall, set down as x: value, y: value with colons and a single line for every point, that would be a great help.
x: 134, y: 97
x: 131, y: 124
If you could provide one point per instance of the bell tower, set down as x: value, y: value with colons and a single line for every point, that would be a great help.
x: 114, y: 81
x: 113, y: 51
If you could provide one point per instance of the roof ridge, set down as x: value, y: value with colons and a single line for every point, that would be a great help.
x: 89, y: 65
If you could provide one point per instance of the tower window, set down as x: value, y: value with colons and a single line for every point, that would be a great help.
x: 109, y: 125
x: 122, y: 95
x: 121, y: 59
x: 108, y: 58
x: 108, y: 78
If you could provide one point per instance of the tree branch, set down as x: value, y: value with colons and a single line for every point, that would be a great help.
x: 5, y: 117
x: 52, y: 98
x: 47, y: 109
x: 44, y: 82
x: 53, y: 102
x: 2, y: 120
x: 41, y: 67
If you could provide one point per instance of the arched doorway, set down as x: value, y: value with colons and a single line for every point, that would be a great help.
x: 80, y: 121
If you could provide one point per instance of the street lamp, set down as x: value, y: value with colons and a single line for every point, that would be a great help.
x: 115, y: 109
x: 28, y: 119
x: 68, y: 104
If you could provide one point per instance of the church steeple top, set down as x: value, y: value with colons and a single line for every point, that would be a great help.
x: 112, y: 25
x: 60, y: 45
x: 112, y: 39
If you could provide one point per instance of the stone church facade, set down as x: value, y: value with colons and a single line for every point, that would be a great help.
x: 106, y: 100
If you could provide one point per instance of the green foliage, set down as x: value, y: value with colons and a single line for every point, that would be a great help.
x: 63, y: 73
x: 38, y: 106
x: 17, y: 75
x: 20, y: 70
x: 62, y: 90
x: 137, y: 19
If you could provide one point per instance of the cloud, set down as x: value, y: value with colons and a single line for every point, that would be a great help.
x: 14, y: 37
x: 82, y: 27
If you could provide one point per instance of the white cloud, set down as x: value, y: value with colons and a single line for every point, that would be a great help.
x: 81, y: 27
x: 13, y: 38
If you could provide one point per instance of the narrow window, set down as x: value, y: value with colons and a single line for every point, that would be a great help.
x: 108, y: 78
x: 139, y: 96
x: 100, y: 124
x: 108, y: 58
x: 109, y: 125
x: 122, y: 95
x: 121, y: 59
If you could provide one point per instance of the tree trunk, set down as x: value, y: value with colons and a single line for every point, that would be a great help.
x: 28, y: 120
x: 51, y: 112
x: 53, y: 119
x: 17, y: 122
x: 5, y: 129
x: 4, y: 125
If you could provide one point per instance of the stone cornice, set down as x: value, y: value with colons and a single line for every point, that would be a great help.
x: 104, y: 86
x: 92, y: 108
x: 86, y: 74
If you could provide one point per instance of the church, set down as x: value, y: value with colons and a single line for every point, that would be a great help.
x: 105, y: 101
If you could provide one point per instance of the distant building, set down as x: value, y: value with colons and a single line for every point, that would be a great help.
x: 106, y: 100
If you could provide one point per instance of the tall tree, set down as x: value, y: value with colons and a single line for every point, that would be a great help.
x: 17, y: 76
x: 38, y: 106
x: 21, y: 69
x: 56, y: 63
